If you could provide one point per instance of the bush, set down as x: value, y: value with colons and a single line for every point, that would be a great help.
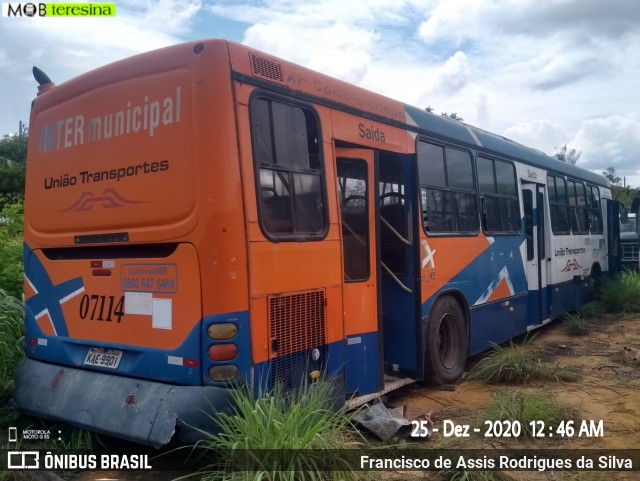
x: 515, y: 405
x: 11, y: 342
x: 575, y: 324
x: 11, y: 231
x: 622, y: 294
x: 274, y: 424
x: 516, y: 365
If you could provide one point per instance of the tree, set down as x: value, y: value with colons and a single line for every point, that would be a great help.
x: 452, y: 115
x: 570, y: 157
x: 13, y: 161
x: 610, y: 174
x: 622, y: 193
x: 14, y: 147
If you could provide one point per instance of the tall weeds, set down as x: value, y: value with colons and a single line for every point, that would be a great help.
x: 622, y: 294
x: 11, y: 342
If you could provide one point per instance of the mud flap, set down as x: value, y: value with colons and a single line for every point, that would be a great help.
x: 145, y: 412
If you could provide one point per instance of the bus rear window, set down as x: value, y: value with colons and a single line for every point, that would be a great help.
x: 290, y: 180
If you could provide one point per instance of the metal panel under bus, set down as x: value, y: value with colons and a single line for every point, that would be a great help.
x: 145, y: 412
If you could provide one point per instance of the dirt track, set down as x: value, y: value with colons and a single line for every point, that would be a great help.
x: 608, y: 389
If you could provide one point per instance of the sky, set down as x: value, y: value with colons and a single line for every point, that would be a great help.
x: 544, y: 73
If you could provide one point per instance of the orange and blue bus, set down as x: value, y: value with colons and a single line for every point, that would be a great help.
x: 207, y: 216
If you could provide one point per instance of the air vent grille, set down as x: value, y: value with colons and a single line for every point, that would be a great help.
x: 261, y: 67
x: 297, y: 327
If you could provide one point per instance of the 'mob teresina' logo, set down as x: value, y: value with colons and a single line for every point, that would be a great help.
x: 29, y: 9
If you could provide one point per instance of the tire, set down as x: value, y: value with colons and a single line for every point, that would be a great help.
x: 594, y: 285
x: 445, y: 343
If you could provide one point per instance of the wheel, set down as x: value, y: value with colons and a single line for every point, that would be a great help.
x: 446, y: 342
x: 594, y: 284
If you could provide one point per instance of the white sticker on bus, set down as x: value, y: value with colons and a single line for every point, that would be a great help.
x: 162, y: 318
x: 138, y: 303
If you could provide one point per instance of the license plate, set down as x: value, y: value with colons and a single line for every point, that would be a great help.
x: 109, y: 358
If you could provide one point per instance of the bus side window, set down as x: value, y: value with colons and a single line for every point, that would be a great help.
x: 290, y: 178
x: 595, y: 210
x: 559, y: 209
x: 447, y: 190
x: 498, y: 196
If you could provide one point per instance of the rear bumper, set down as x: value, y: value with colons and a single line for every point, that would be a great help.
x: 145, y: 412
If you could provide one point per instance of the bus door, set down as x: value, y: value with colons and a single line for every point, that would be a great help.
x: 613, y: 236
x: 536, y: 252
x: 356, y: 174
x: 399, y: 282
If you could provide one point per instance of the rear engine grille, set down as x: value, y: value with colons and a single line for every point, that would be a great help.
x: 261, y: 67
x: 297, y: 327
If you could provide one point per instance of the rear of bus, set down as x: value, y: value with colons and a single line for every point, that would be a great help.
x: 133, y: 203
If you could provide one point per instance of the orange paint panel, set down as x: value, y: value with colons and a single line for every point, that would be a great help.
x: 335, y: 331
x: 359, y: 309
x: 293, y: 266
x: 108, y: 160
x: 309, y: 82
x: 28, y: 290
x: 448, y: 256
x: 44, y: 322
x: 502, y: 291
x: 87, y: 313
x: 260, y: 340
x: 357, y: 130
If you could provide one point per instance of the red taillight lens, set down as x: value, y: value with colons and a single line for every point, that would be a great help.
x: 223, y: 352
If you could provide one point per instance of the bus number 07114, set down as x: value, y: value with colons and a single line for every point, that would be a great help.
x: 101, y: 308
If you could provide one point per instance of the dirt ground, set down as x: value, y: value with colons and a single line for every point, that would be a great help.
x: 607, y: 389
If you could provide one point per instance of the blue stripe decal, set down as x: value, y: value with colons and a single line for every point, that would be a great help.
x: 48, y: 296
x: 473, y: 280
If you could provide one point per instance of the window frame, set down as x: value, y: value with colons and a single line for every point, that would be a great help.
x: 552, y: 203
x: 575, y: 182
x: 590, y: 188
x: 447, y: 189
x: 345, y: 251
x: 495, y: 195
x: 258, y: 166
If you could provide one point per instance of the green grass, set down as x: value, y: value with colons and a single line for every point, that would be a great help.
x: 278, y: 422
x: 575, y: 324
x: 11, y: 342
x: 525, y: 407
x: 622, y: 294
x: 593, y: 310
x: 514, y: 364
x: 579, y: 323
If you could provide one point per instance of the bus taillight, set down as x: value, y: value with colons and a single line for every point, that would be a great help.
x: 223, y: 352
x: 225, y: 330
x: 223, y: 373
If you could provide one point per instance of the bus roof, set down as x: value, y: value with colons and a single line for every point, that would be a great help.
x: 482, y: 140
x: 339, y: 94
